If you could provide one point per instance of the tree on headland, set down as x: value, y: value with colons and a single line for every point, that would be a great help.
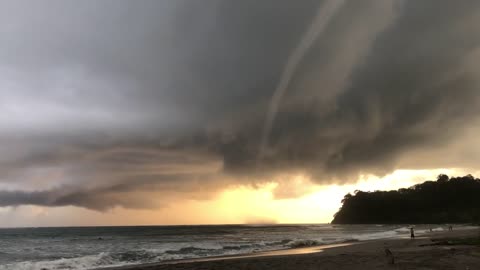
x: 446, y: 200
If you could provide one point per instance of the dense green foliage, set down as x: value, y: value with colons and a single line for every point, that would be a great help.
x: 447, y: 200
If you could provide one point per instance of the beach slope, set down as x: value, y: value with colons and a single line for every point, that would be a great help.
x: 446, y: 250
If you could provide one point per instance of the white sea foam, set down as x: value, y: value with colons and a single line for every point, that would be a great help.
x: 403, y: 230
x: 80, y: 263
x: 377, y: 235
x: 170, y: 244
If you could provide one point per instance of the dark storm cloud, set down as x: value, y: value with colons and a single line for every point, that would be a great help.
x: 128, y: 194
x: 104, y: 101
x: 412, y: 88
x: 59, y: 197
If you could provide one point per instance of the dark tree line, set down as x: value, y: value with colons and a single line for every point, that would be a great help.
x: 446, y: 200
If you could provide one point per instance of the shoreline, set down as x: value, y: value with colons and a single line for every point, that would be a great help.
x: 271, y: 253
x: 368, y: 254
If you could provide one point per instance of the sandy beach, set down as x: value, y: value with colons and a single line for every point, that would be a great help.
x: 445, y: 250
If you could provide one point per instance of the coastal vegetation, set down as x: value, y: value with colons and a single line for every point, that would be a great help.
x: 446, y: 200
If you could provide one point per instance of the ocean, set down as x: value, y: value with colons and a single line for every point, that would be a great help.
x: 96, y: 247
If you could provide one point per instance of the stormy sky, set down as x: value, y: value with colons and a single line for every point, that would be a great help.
x: 131, y: 103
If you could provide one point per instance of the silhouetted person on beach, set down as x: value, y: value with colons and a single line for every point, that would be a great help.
x: 450, y: 228
x: 412, y: 233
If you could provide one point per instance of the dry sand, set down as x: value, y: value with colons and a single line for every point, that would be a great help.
x: 409, y: 254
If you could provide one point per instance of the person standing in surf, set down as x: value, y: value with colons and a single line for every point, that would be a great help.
x: 412, y: 233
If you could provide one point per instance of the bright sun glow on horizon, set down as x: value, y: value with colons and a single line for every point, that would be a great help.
x: 318, y: 204
x: 235, y: 205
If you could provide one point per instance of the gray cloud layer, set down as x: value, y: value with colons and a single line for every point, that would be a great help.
x: 104, y: 101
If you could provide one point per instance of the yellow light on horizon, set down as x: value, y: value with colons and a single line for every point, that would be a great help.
x: 318, y: 203
x: 310, y: 203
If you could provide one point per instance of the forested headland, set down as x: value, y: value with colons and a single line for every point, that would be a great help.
x: 445, y: 200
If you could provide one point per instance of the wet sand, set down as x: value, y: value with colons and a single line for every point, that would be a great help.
x: 431, y: 251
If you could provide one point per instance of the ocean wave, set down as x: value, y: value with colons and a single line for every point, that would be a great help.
x: 281, y: 242
x: 181, y: 251
x: 45, y: 255
x: 438, y: 229
x: 105, y: 259
x: 191, y: 250
x: 79, y: 263
x: 236, y: 247
x: 376, y: 235
x: 304, y: 243
x: 403, y: 230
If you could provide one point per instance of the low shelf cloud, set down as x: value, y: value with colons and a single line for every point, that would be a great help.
x: 118, y: 104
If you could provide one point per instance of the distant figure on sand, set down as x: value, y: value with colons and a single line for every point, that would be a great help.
x: 450, y: 228
x: 412, y: 233
x: 389, y: 255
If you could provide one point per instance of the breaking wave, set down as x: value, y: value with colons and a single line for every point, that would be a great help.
x: 59, y: 253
